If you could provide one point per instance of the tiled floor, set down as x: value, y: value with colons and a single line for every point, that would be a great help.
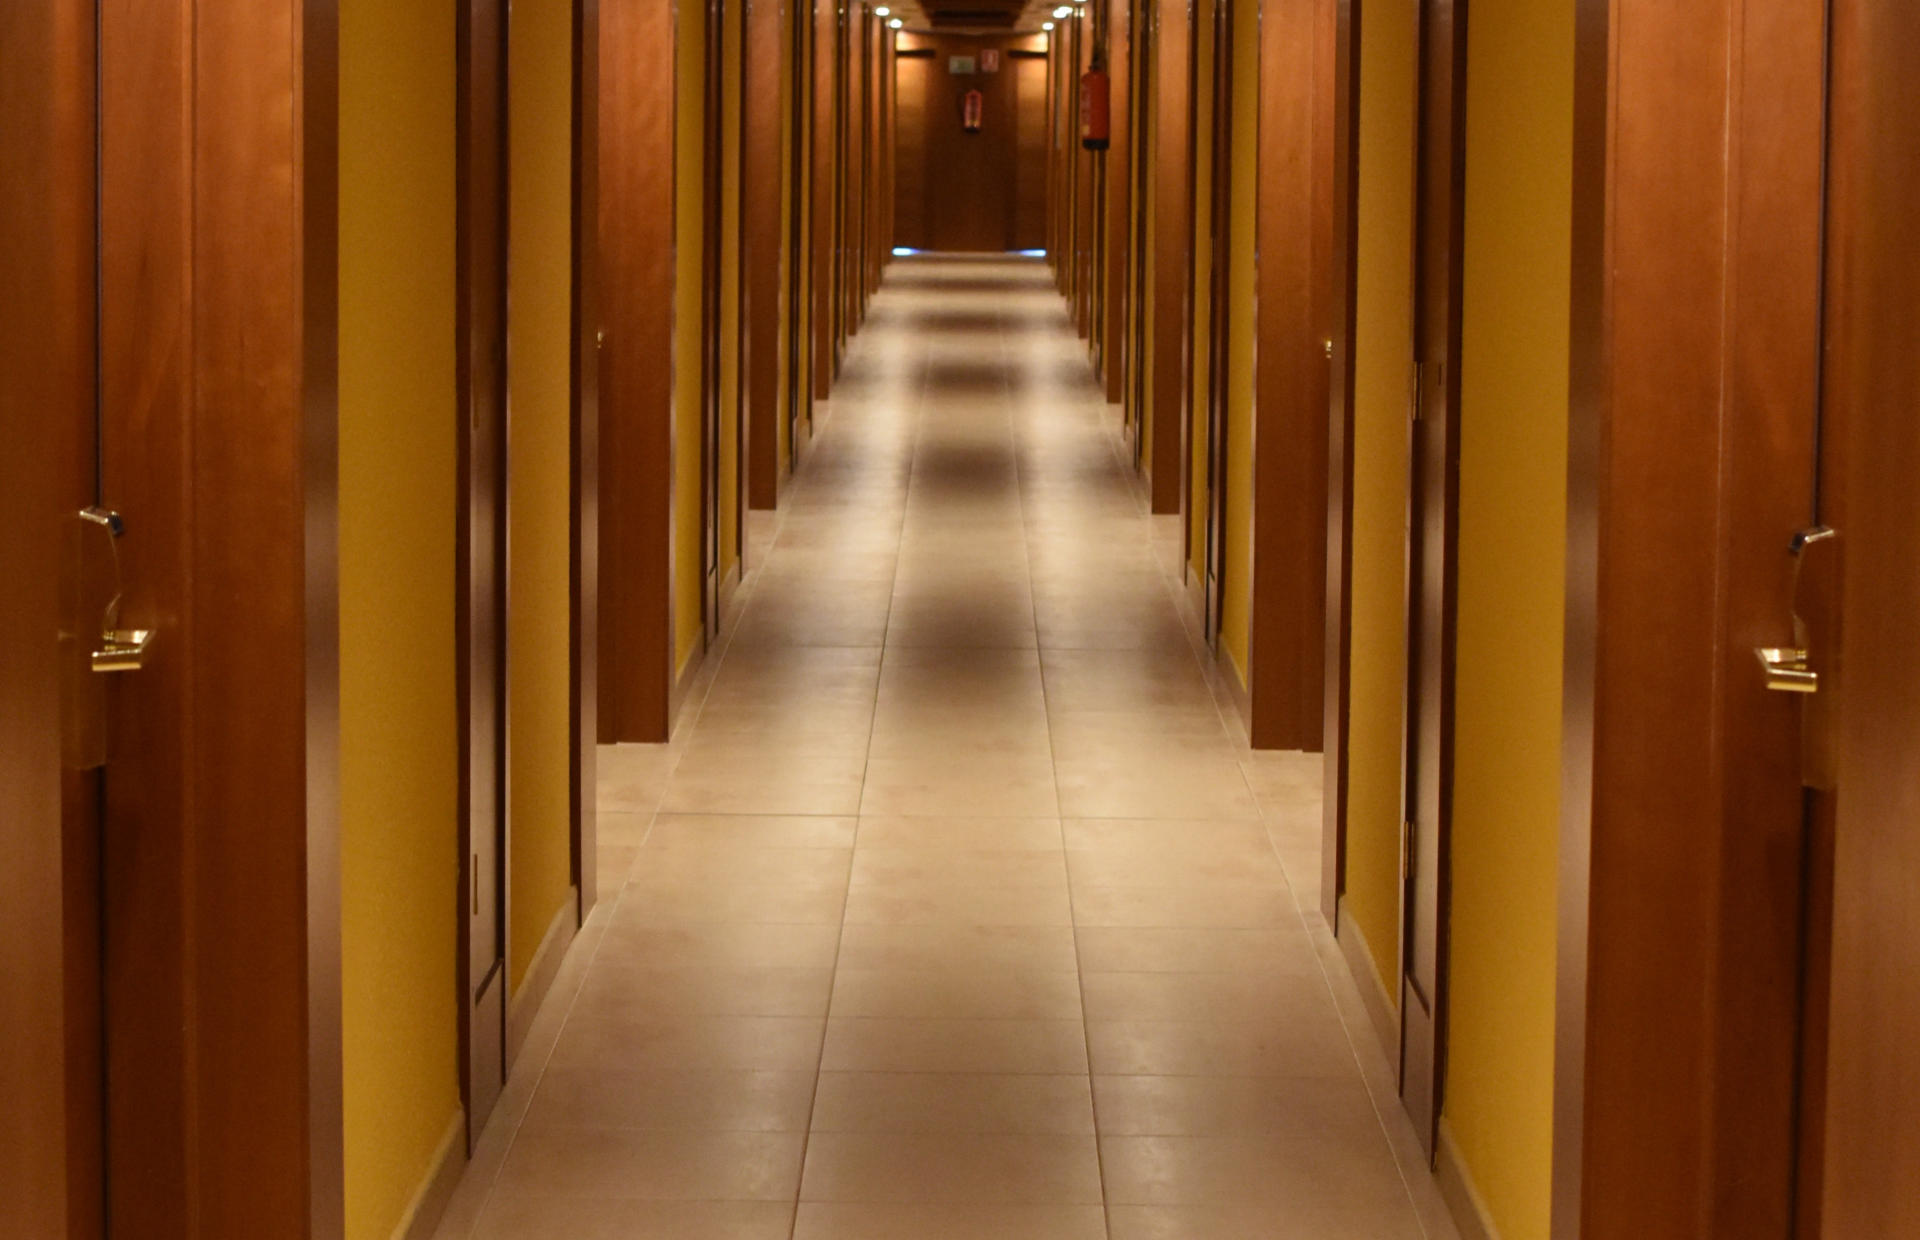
x: 960, y: 907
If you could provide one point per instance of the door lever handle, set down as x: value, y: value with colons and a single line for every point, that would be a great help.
x: 1786, y: 670
x: 122, y: 650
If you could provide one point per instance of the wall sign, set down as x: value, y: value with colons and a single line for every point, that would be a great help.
x: 990, y: 60
x: 960, y: 66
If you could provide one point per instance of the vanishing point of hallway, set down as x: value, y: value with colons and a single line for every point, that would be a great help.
x: 958, y: 907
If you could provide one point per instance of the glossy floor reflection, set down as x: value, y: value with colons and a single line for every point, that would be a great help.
x: 959, y: 906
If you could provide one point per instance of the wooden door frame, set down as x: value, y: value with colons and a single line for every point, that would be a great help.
x: 1219, y: 323
x: 483, y: 1046
x: 1339, y: 462
x: 219, y: 331
x: 587, y: 335
x: 53, y: 1182
x: 1695, y: 341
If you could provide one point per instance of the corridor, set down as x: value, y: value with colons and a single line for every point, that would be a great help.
x: 958, y: 906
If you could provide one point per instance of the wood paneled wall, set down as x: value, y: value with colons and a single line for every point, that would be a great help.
x: 965, y: 192
x: 636, y: 425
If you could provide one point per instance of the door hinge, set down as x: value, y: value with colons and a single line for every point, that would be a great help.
x: 1406, y: 850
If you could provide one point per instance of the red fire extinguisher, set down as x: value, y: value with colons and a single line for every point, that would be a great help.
x: 1094, y: 94
x: 971, y: 105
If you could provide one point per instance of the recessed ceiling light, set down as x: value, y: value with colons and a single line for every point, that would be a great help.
x: 882, y: 11
x: 896, y: 23
x: 1065, y: 10
x: 1046, y: 25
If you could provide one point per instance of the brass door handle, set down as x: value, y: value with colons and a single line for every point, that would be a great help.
x: 1786, y: 670
x: 122, y: 650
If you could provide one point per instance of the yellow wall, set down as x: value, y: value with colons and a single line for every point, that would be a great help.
x: 1383, y: 357
x: 399, y: 762
x: 689, y: 232
x: 729, y: 480
x: 1236, y: 604
x: 1199, y: 496
x: 1513, y: 462
x: 539, y: 635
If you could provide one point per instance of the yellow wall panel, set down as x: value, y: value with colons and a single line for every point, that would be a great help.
x: 399, y: 760
x: 539, y: 446
x: 1236, y: 604
x: 1512, y: 603
x: 689, y: 236
x: 1383, y: 357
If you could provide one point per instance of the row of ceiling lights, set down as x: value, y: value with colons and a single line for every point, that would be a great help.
x: 1064, y: 11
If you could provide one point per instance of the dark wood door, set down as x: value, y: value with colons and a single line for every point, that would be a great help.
x: 1431, y: 508
x: 1871, y: 458
x: 482, y: 359
x: 51, y: 1182
x: 1220, y: 196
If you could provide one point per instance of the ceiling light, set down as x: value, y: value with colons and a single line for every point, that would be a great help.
x: 882, y: 11
x: 1046, y: 25
x: 896, y: 23
x: 1065, y: 10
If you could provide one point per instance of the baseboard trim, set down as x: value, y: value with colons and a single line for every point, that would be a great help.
x: 541, y: 970
x: 1456, y: 1189
x: 1229, y: 674
x: 422, y: 1216
x: 1366, y: 978
x: 683, y: 685
x: 729, y: 585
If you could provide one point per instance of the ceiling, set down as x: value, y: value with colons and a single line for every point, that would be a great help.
x: 973, y: 15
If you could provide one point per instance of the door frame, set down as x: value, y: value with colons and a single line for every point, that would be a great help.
x: 1427, y: 755
x: 1693, y: 377
x: 1219, y: 323
x: 484, y: 1052
x: 220, y: 240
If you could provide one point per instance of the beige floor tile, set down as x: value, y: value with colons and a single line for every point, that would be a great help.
x: 1171, y: 787
x: 742, y: 863
x: 921, y: 1221
x: 961, y: 785
x: 999, y: 834
x: 952, y: 1102
x: 885, y: 1044
x: 778, y: 832
x: 631, y: 778
x: 1114, y: 949
x: 1303, y: 1176
x: 1216, y: 906
x: 715, y: 1101
x: 544, y: 1216
x: 881, y: 867
x: 1047, y: 949
x: 1310, y: 1043
x: 703, y: 990
x: 745, y: 945
x: 931, y: 902
x: 959, y: 993
x: 1305, y: 1221
x: 652, y: 902
x: 690, y: 1043
x: 655, y: 1165
x: 1336, y: 1110
x: 1203, y: 996
x: 969, y: 1168
x: 767, y: 784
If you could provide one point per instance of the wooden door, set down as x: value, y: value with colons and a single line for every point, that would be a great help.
x: 1871, y: 451
x: 1219, y: 315
x: 50, y: 1072
x: 481, y: 228
x: 166, y: 332
x: 1431, y: 508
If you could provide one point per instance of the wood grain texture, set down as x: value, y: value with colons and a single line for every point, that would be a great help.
x: 970, y: 196
x: 635, y: 274
x: 1696, y: 333
x: 51, y: 1178
x: 1170, y: 246
x: 1871, y: 455
x: 761, y: 227
x: 1294, y: 308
